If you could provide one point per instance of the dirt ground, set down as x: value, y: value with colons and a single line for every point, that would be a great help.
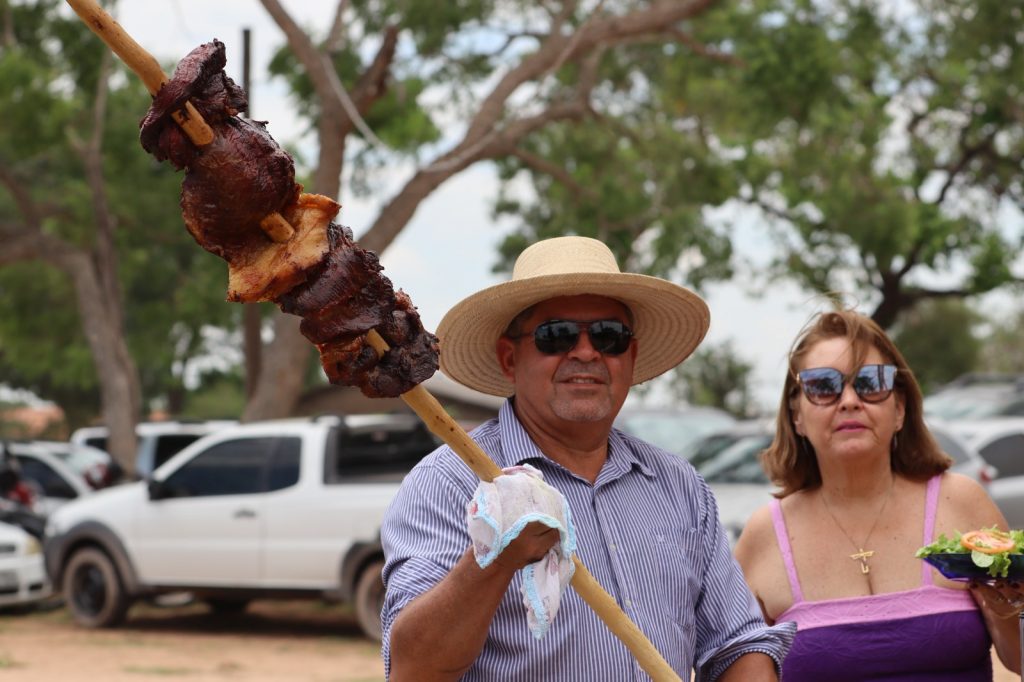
x: 273, y: 641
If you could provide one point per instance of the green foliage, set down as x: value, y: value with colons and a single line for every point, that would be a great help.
x: 716, y: 376
x: 431, y: 23
x: 170, y: 288
x: 219, y: 396
x: 1001, y: 349
x: 939, y: 341
x: 873, y: 141
x: 396, y: 118
x: 640, y: 190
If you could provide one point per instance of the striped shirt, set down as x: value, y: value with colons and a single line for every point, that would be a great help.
x: 647, y: 529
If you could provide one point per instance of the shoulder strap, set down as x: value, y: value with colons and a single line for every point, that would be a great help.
x: 782, y: 537
x: 931, y: 507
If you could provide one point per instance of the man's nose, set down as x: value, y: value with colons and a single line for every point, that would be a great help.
x: 584, y: 350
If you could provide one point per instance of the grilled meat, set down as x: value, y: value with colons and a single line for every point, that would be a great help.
x: 319, y: 273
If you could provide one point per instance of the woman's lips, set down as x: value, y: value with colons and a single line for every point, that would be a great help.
x: 850, y: 426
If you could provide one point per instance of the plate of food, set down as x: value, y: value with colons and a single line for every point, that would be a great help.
x: 983, y: 555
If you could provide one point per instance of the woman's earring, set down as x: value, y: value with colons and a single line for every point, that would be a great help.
x: 895, y: 443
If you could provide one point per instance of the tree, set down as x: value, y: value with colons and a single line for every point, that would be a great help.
x: 716, y: 376
x: 97, y: 277
x: 504, y: 70
x: 1001, y: 349
x: 883, y: 142
x: 939, y: 342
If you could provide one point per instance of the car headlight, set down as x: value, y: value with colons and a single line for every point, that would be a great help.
x: 32, y: 546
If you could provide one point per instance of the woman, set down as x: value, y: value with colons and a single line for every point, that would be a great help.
x: 863, y: 485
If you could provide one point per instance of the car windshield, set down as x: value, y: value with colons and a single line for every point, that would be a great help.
x: 674, y: 431
x: 738, y: 463
x: 950, y: 446
x: 970, y: 403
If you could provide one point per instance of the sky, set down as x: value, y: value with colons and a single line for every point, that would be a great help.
x: 446, y: 252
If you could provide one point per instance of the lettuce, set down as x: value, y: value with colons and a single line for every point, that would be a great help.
x: 997, y: 565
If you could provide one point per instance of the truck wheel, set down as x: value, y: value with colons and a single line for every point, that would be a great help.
x: 93, y: 591
x: 369, y: 599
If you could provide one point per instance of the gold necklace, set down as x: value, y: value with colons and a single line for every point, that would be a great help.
x: 862, y: 555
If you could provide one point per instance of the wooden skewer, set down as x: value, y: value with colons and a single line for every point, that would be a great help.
x: 418, y: 398
x: 148, y: 69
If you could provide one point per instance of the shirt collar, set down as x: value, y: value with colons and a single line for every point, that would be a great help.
x: 518, y: 448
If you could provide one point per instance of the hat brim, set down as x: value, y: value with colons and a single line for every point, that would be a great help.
x: 670, y: 322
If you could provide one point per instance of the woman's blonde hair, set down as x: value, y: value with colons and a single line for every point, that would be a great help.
x: 790, y: 460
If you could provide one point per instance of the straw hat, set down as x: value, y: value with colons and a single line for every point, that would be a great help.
x: 669, y: 320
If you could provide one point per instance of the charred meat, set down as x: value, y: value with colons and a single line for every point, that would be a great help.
x: 320, y: 273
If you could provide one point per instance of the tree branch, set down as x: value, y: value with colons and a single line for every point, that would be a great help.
x: 969, y: 152
x: 703, y: 50
x: 27, y: 206
x: 560, y: 49
x: 557, y: 172
x: 336, y: 37
x: 105, y: 255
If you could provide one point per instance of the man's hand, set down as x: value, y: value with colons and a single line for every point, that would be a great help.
x: 532, y: 544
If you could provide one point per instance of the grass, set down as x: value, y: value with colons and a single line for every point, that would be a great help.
x: 162, y: 671
x: 8, y: 663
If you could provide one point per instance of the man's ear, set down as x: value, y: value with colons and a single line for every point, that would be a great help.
x: 506, y: 350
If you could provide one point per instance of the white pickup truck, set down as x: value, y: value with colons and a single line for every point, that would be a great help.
x: 264, y: 510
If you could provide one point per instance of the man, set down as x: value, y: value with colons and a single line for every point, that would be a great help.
x: 565, y: 339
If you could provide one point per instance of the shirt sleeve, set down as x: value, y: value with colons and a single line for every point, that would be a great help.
x: 423, y: 535
x: 729, y: 620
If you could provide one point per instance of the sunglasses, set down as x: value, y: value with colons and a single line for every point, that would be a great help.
x: 824, y: 385
x: 608, y: 337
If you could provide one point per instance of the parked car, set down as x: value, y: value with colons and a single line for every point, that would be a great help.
x: 1001, y: 442
x: 735, y: 474
x: 22, y: 576
x: 708, y: 447
x: 673, y: 429
x: 286, y: 508
x: 157, y: 441
x: 736, y: 478
x: 96, y: 466
x: 52, y: 482
x: 978, y: 396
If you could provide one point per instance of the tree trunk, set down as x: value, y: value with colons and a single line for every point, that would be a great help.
x: 119, y: 385
x: 282, y: 374
x: 252, y: 323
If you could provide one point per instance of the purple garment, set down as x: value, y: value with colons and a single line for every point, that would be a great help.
x: 927, y: 633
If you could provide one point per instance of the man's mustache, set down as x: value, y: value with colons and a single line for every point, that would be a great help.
x: 570, y: 368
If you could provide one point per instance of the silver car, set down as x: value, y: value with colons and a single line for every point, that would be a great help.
x: 1001, y: 442
x: 673, y: 429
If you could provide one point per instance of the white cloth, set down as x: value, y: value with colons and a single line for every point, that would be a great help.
x: 497, y: 514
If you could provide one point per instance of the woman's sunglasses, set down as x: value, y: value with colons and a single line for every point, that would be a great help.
x: 824, y: 385
x: 609, y: 337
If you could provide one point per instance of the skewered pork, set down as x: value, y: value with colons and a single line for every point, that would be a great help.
x: 319, y: 273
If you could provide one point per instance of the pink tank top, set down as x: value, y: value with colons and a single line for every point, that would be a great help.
x: 928, y: 632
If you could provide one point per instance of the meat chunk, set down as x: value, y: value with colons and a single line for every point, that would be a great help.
x: 319, y: 273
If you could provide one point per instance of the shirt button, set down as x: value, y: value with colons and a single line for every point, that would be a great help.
x: 612, y: 547
x: 629, y: 603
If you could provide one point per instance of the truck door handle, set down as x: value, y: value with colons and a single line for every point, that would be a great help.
x: 245, y: 514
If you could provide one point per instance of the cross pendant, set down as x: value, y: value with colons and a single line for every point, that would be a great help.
x: 862, y: 556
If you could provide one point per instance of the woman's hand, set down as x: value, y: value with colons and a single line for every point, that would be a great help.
x: 1003, y: 598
